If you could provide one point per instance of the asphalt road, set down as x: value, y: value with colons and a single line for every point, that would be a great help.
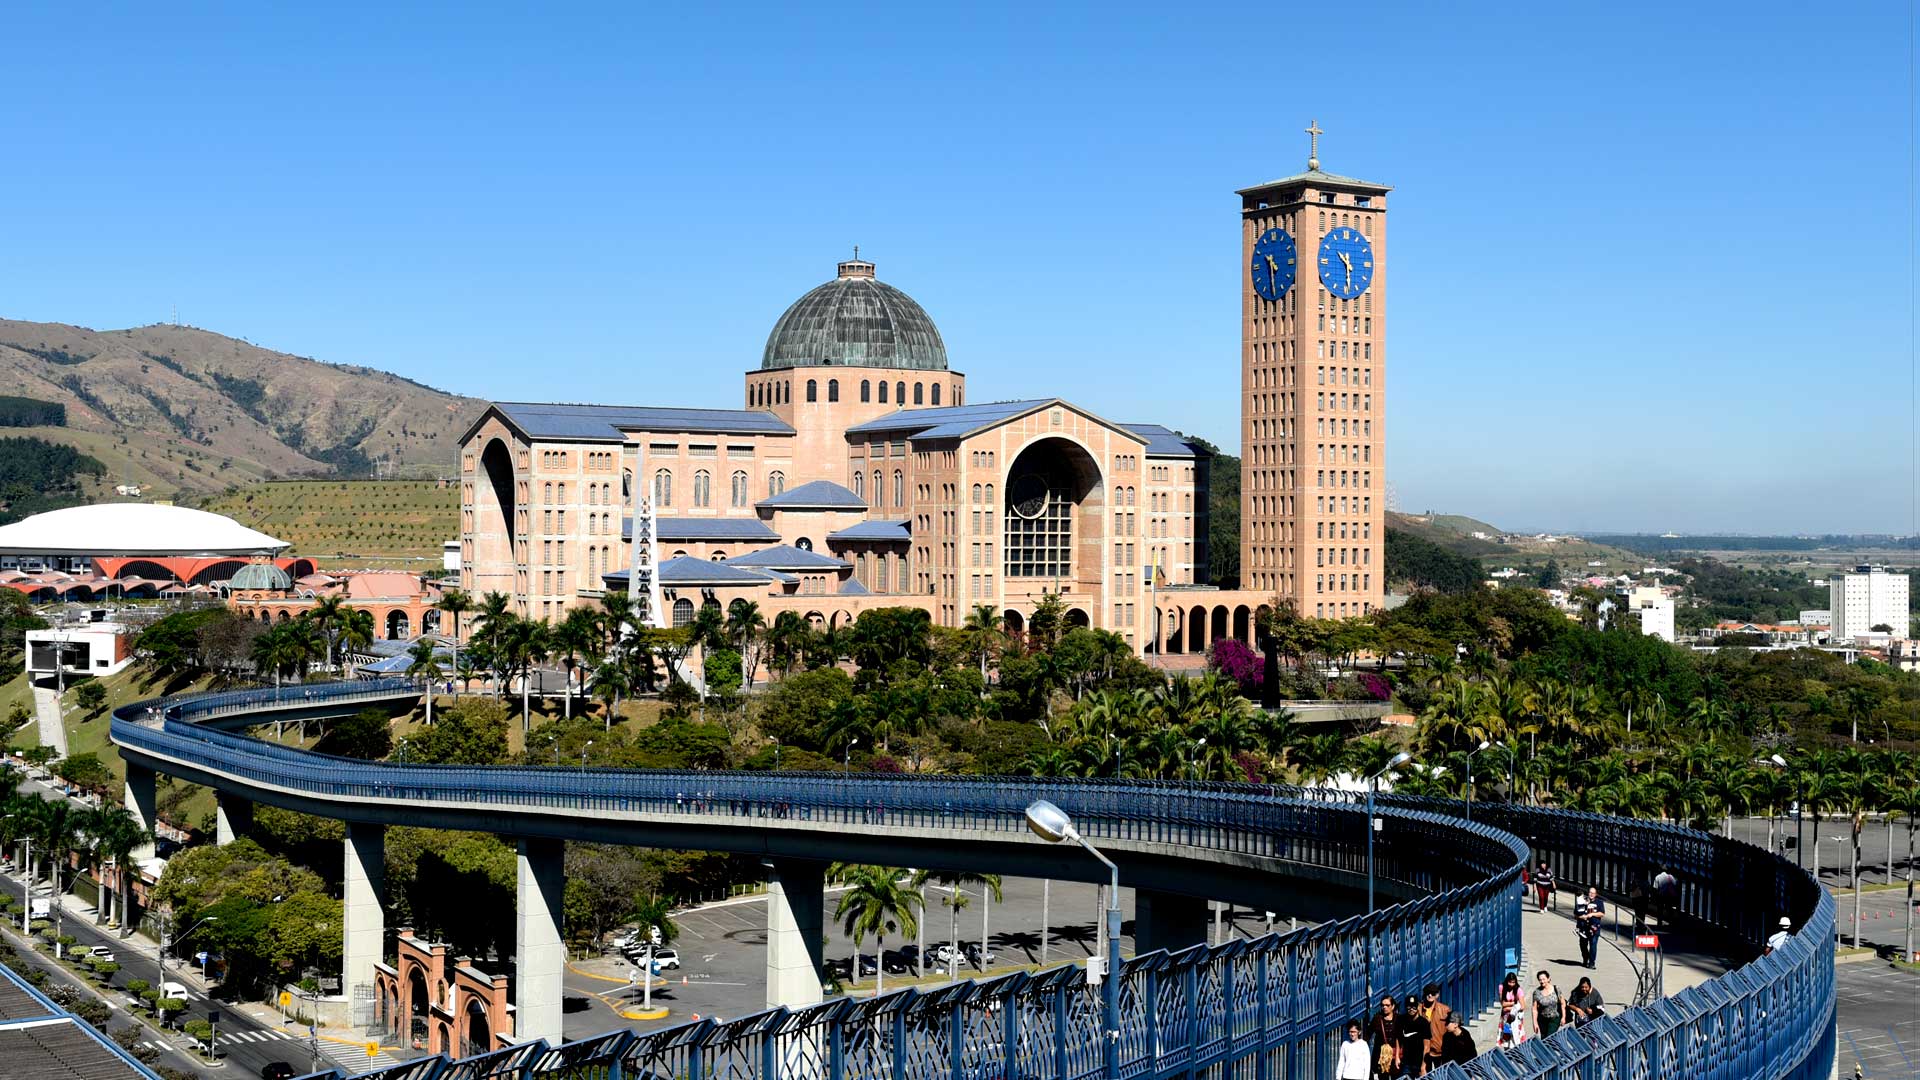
x: 1879, y: 1025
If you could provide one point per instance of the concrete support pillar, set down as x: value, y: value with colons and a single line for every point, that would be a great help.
x: 362, y: 896
x: 540, y: 955
x: 1167, y: 921
x: 796, y: 908
x: 142, y: 804
x: 232, y: 817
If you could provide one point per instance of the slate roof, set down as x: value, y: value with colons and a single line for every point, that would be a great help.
x: 603, y: 423
x: 41, y: 1041
x: 688, y: 571
x: 398, y: 665
x: 1319, y: 178
x: 788, y: 557
x: 875, y: 530
x: 742, y: 530
x: 1164, y: 442
x: 815, y: 494
x: 959, y: 418
x: 855, y: 321
x: 852, y: 587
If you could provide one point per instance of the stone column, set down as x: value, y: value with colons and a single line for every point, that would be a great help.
x: 1167, y: 921
x: 541, y: 956
x: 362, y: 896
x: 796, y: 905
x: 232, y: 817
x: 141, y: 803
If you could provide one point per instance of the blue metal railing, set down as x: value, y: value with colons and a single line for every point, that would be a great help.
x: 1264, y: 1010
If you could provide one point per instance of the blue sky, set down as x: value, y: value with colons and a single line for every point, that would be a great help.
x: 1648, y: 268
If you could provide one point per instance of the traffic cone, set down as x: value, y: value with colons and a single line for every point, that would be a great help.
x: 683, y: 980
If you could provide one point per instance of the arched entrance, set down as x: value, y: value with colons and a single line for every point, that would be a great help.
x: 1219, y: 628
x: 1243, y: 624
x: 1054, y: 505
x: 495, y: 514
x: 1014, y: 622
x: 476, y: 1035
x: 397, y: 625
x: 1197, y: 630
x: 430, y: 621
x: 418, y: 1002
x: 1077, y: 617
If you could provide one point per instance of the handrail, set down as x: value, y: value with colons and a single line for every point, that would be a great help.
x: 1276, y: 1003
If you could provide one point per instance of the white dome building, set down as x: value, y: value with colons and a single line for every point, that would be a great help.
x: 116, y: 539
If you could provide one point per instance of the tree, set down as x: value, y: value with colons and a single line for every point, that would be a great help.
x: 983, y: 633
x: 579, y: 634
x: 876, y: 903
x: 84, y: 771
x: 366, y: 735
x: 356, y: 629
x: 423, y: 658
x: 326, y: 613
x: 472, y: 731
x: 455, y: 602
x: 91, y: 696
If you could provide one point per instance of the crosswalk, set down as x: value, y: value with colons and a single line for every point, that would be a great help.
x: 350, y: 1056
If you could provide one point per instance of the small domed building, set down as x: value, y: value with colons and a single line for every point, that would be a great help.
x: 858, y: 473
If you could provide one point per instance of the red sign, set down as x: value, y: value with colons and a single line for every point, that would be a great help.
x: 1646, y: 941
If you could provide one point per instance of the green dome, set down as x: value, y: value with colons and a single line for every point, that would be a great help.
x: 855, y: 321
x: 260, y: 575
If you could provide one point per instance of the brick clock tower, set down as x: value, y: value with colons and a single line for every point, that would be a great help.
x: 1312, y: 390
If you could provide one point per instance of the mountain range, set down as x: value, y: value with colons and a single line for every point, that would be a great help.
x: 175, y: 409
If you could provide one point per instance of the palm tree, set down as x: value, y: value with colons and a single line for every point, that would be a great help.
x: 611, y: 680
x: 578, y: 633
x: 982, y: 632
x: 1732, y: 786
x: 425, y: 665
x: 274, y: 651
x: 746, y: 630
x: 1319, y: 758
x: 325, y: 613
x: 495, y: 614
x: 1906, y: 802
x: 356, y: 629
x: 786, y: 641
x: 1854, y: 797
x: 875, y: 903
x: 525, y: 643
x: 117, y: 833
x: 455, y: 602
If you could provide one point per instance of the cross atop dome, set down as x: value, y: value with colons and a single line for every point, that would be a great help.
x: 856, y: 267
x: 1313, y: 151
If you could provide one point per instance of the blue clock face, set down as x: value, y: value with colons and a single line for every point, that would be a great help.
x: 1346, y: 262
x: 1275, y: 264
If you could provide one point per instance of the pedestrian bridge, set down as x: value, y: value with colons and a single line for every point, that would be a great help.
x: 1270, y: 1009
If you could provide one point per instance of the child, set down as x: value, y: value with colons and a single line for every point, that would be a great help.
x: 1509, y: 1029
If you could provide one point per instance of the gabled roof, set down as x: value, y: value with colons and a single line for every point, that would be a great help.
x: 1164, y: 442
x: 739, y: 530
x: 687, y: 571
x: 788, y: 557
x: 959, y: 421
x: 852, y: 587
x: 875, y: 530
x: 604, y: 423
x: 815, y: 495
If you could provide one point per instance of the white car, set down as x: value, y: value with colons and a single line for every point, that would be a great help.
x: 173, y: 990
x: 99, y: 952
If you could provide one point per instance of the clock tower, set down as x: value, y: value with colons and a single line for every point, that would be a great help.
x: 1313, y: 389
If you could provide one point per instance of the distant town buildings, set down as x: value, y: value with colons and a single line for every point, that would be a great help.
x: 1655, y: 609
x: 1866, y: 597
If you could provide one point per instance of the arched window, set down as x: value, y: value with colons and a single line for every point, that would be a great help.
x: 813, y: 390
x: 919, y: 393
x: 880, y: 572
x: 703, y: 488
x: 900, y: 392
x: 976, y: 493
x: 899, y: 488
x: 866, y: 390
x: 663, y: 488
x: 682, y: 612
x: 883, y: 391
x: 740, y: 488
x: 936, y: 393
x: 803, y: 544
x: 958, y: 396
x: 718, y: 556
x: 860, y: 484
x: 776, y: 483
x: 879, y: 486
x: 833, y: 389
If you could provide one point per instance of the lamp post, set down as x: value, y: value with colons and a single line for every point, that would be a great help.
x: 1772, y: 795
x: 583, y: 753
x: 846, y: 763
x: 1373, y: 782
x: 166, y: 942
x: 1050, y: 823
x: 1483, y: 745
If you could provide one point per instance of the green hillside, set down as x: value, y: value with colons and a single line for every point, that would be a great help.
x: 400, y: 524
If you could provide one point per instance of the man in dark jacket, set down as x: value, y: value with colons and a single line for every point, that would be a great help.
x: 1457, y: 1045
x: 1437, y: 1016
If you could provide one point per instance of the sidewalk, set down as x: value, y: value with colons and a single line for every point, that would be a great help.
x: 1547, y: 942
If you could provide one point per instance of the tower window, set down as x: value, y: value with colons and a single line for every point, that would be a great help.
x: 663, y: 488
x: 883, y: 391
x: 740, y: 488
x: 776, y: 483
x: 900, y: 392
x: 919, y: 394
x: 833, y: 389
x: 866, y: 390
x: 702, y: 488
x: 936, y: 393
x: 813, y: 391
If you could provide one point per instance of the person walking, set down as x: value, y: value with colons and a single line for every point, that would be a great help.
x: 1546, y: 1009
x: 1413, y: 1038
x: 1543, y: 886
x: 1779, y: 937
x: 1436, y: 1013
x: 1383, y: 1036
x: 1585, y: 1003
x: 1354, y: 1063
x: 1588, y: 911
x: 1457, y: 1045
x: 1510, y: 1000
x: 1666, y: 890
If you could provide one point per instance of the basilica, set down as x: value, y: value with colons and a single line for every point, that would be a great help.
x: 860, y: 473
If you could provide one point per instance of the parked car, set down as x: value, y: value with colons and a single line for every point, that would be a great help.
x: 277, y: 1070
x: 668, y: 959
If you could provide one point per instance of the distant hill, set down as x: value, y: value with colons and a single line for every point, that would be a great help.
x: 1451, y: 531
x: 174, y: 408
x: 1572, y: 555
x: 399, y: 524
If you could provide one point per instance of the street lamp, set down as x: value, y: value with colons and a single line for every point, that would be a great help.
x: 1050, y: 823
x: 1373, y: 782
x: 846, y: 764
x: 1781, y: 762
x: 166, y: 942
x: 1483, y: 745
x: 583, y: 753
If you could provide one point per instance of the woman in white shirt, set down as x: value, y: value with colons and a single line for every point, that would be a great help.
x: 1354, y: 1064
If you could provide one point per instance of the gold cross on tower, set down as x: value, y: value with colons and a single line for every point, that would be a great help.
x: 1313, y: 153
